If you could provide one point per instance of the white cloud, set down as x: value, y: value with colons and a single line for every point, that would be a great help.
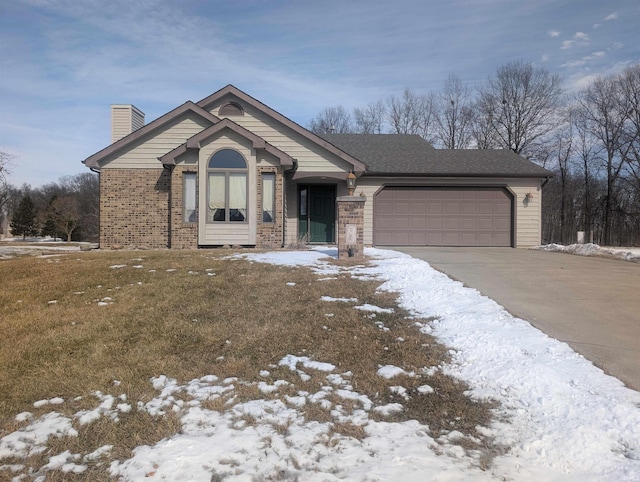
x: 574, y: 63
x: 544, y: 58
x: 553, y: 33
x: 611, y: 16
x: 579, y: 38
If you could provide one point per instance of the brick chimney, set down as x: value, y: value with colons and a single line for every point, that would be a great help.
x: 125, y: 119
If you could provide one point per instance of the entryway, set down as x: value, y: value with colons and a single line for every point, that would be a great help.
x: 317, y: 212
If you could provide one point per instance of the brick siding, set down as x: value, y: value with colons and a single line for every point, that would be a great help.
x: 134, y: 208
x: 350, y: 211
x: 143, y: 208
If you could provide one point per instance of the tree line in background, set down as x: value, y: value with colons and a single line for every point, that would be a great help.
x: 66, y: 209
x: 590, y: 139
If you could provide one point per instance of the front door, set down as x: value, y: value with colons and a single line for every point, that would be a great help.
x: 317, y: 212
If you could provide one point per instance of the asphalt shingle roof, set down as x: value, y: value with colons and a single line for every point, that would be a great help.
x: 412, y: 155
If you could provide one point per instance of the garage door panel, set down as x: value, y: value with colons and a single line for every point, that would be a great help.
x: 485, y: 208
x: 485, y: 224
x: 384, y: 207
x: 418, y: 223
x: 435, y: 207
x: 401, y: 223
x: 418, y: 208
x: 384, y: 223
x: 452, y: 208
x: 446, y: 216
x: 434, y: 238
x: 451, y: 224
x: 417, y: 238
x: 435, y: 223
x: 467, y: 207
x: 501, y: 225
x: 401, y: 208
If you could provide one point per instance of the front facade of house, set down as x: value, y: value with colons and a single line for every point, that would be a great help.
x: 229, y: 170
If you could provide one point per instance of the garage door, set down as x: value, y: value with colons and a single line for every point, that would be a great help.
x: 442, y: 216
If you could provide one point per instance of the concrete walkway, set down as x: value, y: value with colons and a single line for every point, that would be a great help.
x: 593, y: 304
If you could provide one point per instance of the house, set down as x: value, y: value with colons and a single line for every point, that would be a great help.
x: 229, y: 170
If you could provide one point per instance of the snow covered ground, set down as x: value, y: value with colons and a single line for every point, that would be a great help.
x: 590, y: 249
x: 562, y: 418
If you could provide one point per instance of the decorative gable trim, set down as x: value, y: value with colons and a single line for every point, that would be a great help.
x: 94, y: 160
x: 257, y: 142
x: 358, y: 166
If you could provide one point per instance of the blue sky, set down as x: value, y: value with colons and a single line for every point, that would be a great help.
x: 63, y: 62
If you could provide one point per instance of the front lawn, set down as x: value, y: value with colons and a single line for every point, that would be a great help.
x: 112, y: 341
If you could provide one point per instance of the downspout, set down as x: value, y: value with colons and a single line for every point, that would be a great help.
x: 546, y: 180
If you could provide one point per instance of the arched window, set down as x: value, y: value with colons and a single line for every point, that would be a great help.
x: 227, y: 187
x: 231, y: 108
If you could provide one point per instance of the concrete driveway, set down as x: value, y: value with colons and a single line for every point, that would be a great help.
x: 593, y: 304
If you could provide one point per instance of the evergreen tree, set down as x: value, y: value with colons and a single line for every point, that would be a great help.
x: 24, y: 221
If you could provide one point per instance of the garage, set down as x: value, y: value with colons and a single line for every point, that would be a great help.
x: 443, y: 216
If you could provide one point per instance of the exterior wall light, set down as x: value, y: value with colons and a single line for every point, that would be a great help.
x: 528, y: 197
x: 351, y: 183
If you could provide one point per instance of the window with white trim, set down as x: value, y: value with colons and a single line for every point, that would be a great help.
x: 268, y: 197
x: 189, y: 197
x: 227, y: 187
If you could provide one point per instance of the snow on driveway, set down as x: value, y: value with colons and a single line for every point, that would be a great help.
x: 562, y: 418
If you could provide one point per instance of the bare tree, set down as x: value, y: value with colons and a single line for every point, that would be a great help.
x: 5, y: 162
x: 65, y: 215
x: 630, y: 91
x: 455, y: 114
x: 413, y: 114
x: 563, y: 152
x: 370, y: 119
x: 332, y: 120
x: 605, y: 115
x: 519, y: 104
x: 586, y: 152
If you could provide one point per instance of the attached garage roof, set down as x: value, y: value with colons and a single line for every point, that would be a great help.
x: 405, y: 154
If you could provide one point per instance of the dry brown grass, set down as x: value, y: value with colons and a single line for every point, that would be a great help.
x: 185, y: 324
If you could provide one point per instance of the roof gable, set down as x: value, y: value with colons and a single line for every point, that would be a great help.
x: 195, y: 141
x: 358, y: 166
x: 94, y: 160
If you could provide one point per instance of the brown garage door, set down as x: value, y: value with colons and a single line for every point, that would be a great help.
x: 442, y: 216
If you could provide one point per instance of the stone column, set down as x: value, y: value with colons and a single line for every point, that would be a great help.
x: 350, y: 226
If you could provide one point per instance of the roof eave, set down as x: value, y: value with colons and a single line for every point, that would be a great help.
x: 456, y: 175
x: 94, y: 160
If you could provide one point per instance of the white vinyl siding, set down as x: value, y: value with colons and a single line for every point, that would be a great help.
x: 144, y: 153
x: 311, y: 157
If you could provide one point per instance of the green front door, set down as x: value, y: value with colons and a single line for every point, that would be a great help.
x: 317, y: 212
